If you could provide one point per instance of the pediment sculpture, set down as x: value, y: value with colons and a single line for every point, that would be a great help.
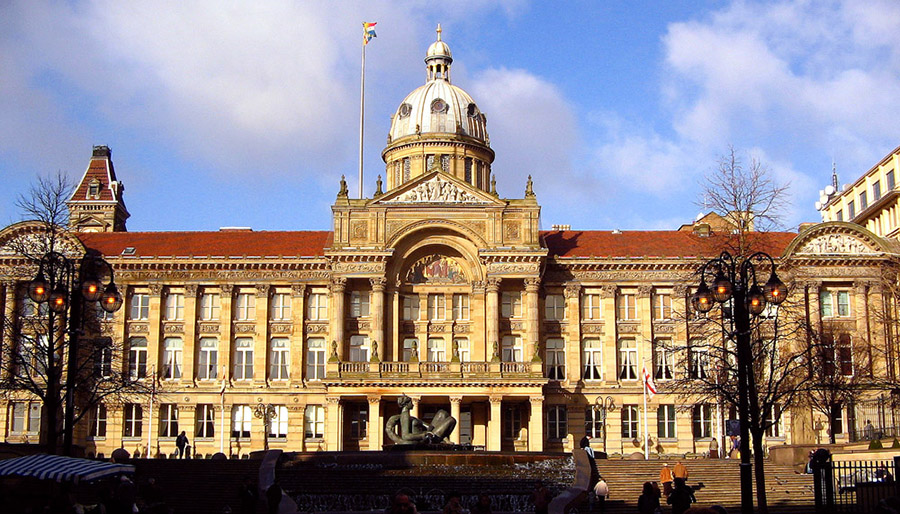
x: 436, y: 190
x: 435, y: 269
x: 835, y: 244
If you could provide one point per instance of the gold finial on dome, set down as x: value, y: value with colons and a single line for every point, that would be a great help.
x: 438, y: 32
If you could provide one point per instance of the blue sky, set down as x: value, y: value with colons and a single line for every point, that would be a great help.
x: 246, y: 113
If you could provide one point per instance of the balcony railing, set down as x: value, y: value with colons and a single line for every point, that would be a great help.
x: 439, y: 371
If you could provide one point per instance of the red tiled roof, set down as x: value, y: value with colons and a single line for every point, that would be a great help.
x: 96, y: 170
x: 651, y: 243
x: 210, y: 244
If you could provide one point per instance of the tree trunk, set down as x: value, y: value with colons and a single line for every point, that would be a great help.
x: 759, y: 460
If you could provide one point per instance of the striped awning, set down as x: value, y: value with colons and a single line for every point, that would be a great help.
x: 61, y: 469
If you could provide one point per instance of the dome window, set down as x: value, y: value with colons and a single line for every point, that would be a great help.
x: 405, y: 109
x: 472, y: 111
x: 438, y: 106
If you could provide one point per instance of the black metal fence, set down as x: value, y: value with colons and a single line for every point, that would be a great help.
x: 854, y: 486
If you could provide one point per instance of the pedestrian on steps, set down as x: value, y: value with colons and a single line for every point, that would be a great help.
x: 666, y: 478
x: 648, y: 501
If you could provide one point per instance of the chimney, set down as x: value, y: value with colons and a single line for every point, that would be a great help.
x: 102, y: 151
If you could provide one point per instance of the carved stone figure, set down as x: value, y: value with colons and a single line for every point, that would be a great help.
x: 404, y: 428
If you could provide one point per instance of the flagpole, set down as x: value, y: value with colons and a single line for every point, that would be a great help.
x: 362, y: 109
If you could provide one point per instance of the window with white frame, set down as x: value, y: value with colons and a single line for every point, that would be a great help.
x: 699, y: 362
x: 436, y: 350
x: 133, y: 420
x: 837, y: 354
x: 593, y: 359
x: 314, y: 422
x: 245, y: 307
x: 140, y: 307
x: 241, y: 417
x: 410, y: 307
x: 175, y: 307
x: 359, y: 420
x: 557, y: 422
x: 664, y: 359
x: 834, y: 303
x: 206, y: 421
x: 359, y: 304
x: 555, y: 358
x: 315, y: 358
x: 590, y: 306
x: 662, y: 306
x: 207, y: 358
x: 103, y: 360
x: 512, y: 349
x: 410, y: 344
x: 630, y: 421
x: 665, y: 422
x: 209, y: 307
x: 702, y: 420
x: 172, y: 357
x: 628, y: 359
x: 359, y: 348
x: 462, y: 348
x: 554, y: 307
x: 97, y: 422
x: 593, y: 421
x: 168, y: 420
x: 280, y: 309
x: 243, y: 358
x: 512, y: 421
x: 26, y: 418
x: 279, y: 358
x: 460, y: 306
x: 626, y: 305
x: 511, y: 304
x: 773, y: 421
x: 278, y: 425
x: 137, y: 358
x: 317, y: 306
x: 437, y: 307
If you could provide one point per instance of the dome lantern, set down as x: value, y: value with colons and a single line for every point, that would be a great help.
x: 438, y: 59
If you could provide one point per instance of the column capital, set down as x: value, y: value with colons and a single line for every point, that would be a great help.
x: 262, y: 290
x: 226, y: 289
x: 532, y: 285
x: 378, y: 284
x: 493, y: 285
x: 495, y: 400
x: 861, y: 286
x: 373, y: 400
x: 478, y: 287
x: 680, y: 290
x: 608, y: 291
x: 298, y: 290
x: 814, y: 286
x: 644, y: 290
x: 536, y: 400
x: 155, y: 289
x: 338, y: 284
x: 333, y: 400
x: 456, y: 400
x: 190, y: 290
x: 572, y: 290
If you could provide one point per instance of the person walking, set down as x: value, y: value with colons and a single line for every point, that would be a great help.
x: 601, y: 491
x: 681, y: 498
x: 665, y: 478
x: 680, y: 471
x: 181, y: 442
x: 648, y: 501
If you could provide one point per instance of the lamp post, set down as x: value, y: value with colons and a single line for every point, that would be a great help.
x: 736, y: 280
x: 66, y: 289
x: 267, y: 413
x: 606, y: 404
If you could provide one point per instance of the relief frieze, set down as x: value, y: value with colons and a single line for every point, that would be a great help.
x: 216, y: 275
x: 280, y: 328
x: 138, y: 328
x: 173, y: 328
x: 664, y: 328
x: 436, y: 190
x: 209, y: 328
x: 316, y: 328
x: 592, y: 328
x: 513, y: 267
x: 835, y: 244
x: 628, y: 328
x: 358, y: 267
x: 461, y: 328
x: 245, y: 328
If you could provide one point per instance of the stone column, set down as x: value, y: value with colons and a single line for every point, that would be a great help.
x: 495, y: 424
x: 376, y: 428
x: 334, y: 434
x: 492, y: 316
x: 815, y: 312
x: 455, y: 411
x: 298, y: 349
x: 396, y: 315
x: 477, y: 308
x: 226, y: 313
x: 862, y: 312
x: 536, y: 425
x: 261, y: 331
x: 572, y: 333
x: 532, y: 316
x: 608, y: 313
x: 338, y: 315
x: 190, y: 333
x: 644, y: 342
x: 377, y: 312
x: 154, y: 337
x: 7, y: 342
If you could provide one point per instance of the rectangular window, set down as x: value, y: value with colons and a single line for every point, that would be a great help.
x: 662, y: 306
x: 512, y: 349
x: 359, y: 348
x: 99, y: 312
x: 460, y: 306
x: 168, y: 420
x: 279, y: 359
x: 172, y: 357
x: 175, y: 307
x: 839, y: 215
x: 826, y: 304
x: 314, y: 422
x: 468, y: 172
x: 26, y: 418
x: 410, y: 307
x: 245, y: 307
x: 462, y: 349
x: 436, y: 307
x: 281, y: 307
x: 209, y: 307
x: 317, y: 308
x: 133, y: 421
x: 843, y: 303
x: 511, y: 304
x: 628, y: 359
x: 103, y: 360
x: 629, y: 421
x: 315, y: 359
x: 555, y: 360
x: 702, y: 421
x: 137, y: 358
x: 593, y: 362
x: 834, y: 302
x: 206, y: 421
x: 876, y: 190
x: 207, y: 361
x: 97, y: 422
x: 241, y: 417
x: 243, y: 358
x: 359, y: 420
x: 410, y: 344
x: 140, y: 307
x: 31, y: 309
x: 664, y: 359
x: 512, y: 422
x: 590, y: 307
x: 557, y: 422
x: 890, y: 180
x: 593, y: 421
x: 665, y: 421
x: 851, y: 210
x: 436, y: 350
x: 626, y: 306
x: 359, y: 304
x: 278, y: 425
x: 773, y: 422
x: 863, y: 201
x: 555, y: 307
x: 699, y: 362
x: 837, y: 354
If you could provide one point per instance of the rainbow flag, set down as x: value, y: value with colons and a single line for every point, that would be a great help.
x: 368, y: 32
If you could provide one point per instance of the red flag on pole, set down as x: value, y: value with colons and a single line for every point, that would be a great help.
x: 648, y: 382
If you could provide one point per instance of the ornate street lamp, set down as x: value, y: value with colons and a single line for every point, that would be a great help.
x: 267, y: 413
x: 735, y: 280
x: 606, y: 405
x: 66, y: 289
